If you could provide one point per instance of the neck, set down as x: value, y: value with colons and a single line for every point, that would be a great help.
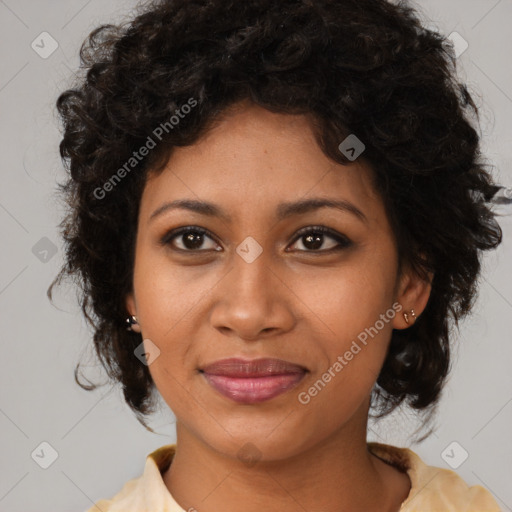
x: 337, y: 474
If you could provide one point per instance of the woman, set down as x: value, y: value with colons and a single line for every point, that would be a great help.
x: 276, y: 212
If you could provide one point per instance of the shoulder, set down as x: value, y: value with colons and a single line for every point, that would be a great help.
x: 146, y: 492
x: 128, y: 498
x: 434, y: 489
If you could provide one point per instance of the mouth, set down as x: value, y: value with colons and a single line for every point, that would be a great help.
x: 253, y: 381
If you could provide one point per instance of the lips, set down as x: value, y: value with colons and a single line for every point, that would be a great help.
x: 255, y: 368
x: 253, y: 381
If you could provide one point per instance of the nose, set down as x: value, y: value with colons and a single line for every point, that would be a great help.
x: 253, y: 302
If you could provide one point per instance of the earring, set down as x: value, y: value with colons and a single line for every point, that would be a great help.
x: 406, y: 316
x: 131, y: 320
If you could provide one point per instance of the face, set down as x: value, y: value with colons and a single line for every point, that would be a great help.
x: 252, y: 277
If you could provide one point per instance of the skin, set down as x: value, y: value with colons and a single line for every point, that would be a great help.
x: 294, y: 302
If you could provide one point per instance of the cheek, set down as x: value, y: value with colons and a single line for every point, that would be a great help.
x: 167, y: 294
x: 351, y: 356
x: 166, y: 301
x: 352, y: 307
x: 346, y: 300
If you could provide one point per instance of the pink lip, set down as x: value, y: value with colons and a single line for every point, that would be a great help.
x: 253, y: 381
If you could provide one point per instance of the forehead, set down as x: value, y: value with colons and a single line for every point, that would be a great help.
x: 258, y: 158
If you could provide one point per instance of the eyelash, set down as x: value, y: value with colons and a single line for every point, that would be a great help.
x: 343, y: 241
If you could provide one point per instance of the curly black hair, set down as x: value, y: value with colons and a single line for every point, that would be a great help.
x: 364, y: 67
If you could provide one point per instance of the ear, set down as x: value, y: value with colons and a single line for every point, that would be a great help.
x: 130, y: 304
x: 413, y: 293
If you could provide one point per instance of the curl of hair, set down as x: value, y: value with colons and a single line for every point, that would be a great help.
x: 366, y: 67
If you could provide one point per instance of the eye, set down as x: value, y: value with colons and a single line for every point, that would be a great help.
x: 313, y: 238
x: 191, y: 238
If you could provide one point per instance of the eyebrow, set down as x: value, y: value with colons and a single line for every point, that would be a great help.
x: 284, y: 210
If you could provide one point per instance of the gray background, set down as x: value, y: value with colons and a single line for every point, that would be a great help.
x: 100, y: 444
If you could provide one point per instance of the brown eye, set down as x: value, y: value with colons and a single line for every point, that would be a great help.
x: 189, y: 239
x: 313, y: 239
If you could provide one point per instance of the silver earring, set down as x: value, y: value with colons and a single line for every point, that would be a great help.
x: 131, y: 320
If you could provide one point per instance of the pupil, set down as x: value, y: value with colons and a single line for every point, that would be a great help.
x: 193, y: 240
x: 314, y: 240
